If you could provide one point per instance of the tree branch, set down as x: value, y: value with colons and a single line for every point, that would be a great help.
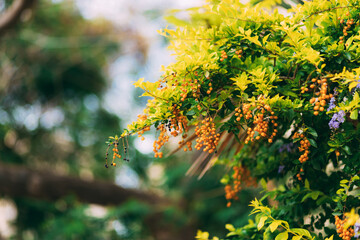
x: 13, y: 13
x: 19, y: 181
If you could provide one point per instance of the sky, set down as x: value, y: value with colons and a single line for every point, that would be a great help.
x: 144, y: 18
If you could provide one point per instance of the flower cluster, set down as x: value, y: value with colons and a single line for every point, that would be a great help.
x: 331, y: 104
x: 336, y: 119
x: 357, y: 229
x: 288, y: 147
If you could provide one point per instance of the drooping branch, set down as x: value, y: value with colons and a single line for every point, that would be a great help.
x: 19, y: 181
x: 13, y: 13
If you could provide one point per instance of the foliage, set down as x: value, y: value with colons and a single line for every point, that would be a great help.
x: 52, y: 66
x: 287, y: 88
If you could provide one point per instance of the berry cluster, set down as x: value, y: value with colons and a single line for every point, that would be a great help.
x: 240, y: 175
x: 115, y: 153
x: 142, y: 131
x: 183, y: 93
x: 115, y: 150
x: 345, y: 234
x: 223, y: 55
x: 189, y: 85
x: 162, y: 139
x: 163, y: 82
x: 195, y: 87
x: 321, y: 101
x: 188, y: 144
x: 176, y: 125
x: 262, y: 116
x: 304, y: 147
x: 206, y: 136
x: 346, y: 26
x: 238, y: 53
x: 142, y: 118
x: 298, y: 176
x: 210, y: 88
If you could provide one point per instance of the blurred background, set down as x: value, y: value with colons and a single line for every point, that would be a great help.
x: 66, y: 74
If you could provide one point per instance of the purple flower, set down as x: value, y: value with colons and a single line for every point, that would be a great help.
x: 335, y: 92
x: 331, y: 104
x: 357, y: 229
x: 281, y: 168
x: 336, y: 119
x: 334, y: 124
x: 341, y: 116
x: 358, y: 85
x: 287, y: 147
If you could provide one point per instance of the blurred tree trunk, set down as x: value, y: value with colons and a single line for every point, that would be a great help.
x: 19, y: 181
x: 13, y: 13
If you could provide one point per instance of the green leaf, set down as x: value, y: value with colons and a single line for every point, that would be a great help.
x: 241, y: 81
x: 305, y: 197
x: 315, y: 195
x: 355, y: 178
x: 303, y: 232
x: 347, y: 55
x: 190, y: 113
x: 347, y: 150
x: 282, y: 236
x: 344, y: 181
x: 322, y: 200
x: 263, y: 183
x: 307, y: 184
x: 354, y: 114
x: 340, y: 191
x: 261, y: 222
x: 312, y: 142
x: 230, y: 227
x: 312, y: 132
x: 330, y: 238
x: 296, y: 237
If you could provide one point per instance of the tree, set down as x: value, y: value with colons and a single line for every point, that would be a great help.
x: 275, y: 98
x: 13, y: 13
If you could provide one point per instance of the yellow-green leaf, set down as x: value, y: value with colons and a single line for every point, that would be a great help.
x: 241, y: 81
x: 139, y: 82
x: 230, y: 227
x: 274, y: 225
x: 354, y: 114
x: 282, y: 236
x: 303, y: 232
x: 261, y: 222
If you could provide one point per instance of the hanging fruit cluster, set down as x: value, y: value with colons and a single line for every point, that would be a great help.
x: 206, y: 136
x: 223, y: 56
x: 345, y: 234
x: 115, y: 150
x: 261, y: 116
x: 347, y: 24
x: 175, y: 126
x: 240, y: 176
x: 321, y: 97
x: 304, y: 147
